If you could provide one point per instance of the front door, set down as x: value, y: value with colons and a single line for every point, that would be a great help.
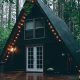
x: 34, y: 59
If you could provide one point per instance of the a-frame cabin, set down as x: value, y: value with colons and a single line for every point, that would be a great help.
x: 40, y: 42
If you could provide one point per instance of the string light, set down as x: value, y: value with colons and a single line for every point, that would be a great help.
x: 53, y: 30
x: 76, y: 66
x: 79, y: 71
x: 57, y: 37
x: 54, y: 33
x: 16, y: 37
x: 11, y: 49
x: 51, y: 27
x: 21, y: 24
x: 19, y: 27
x: 33, y: 1
x: 63, y: 54
x: 49, y: 23
x: 12, y: 43
x: 22, y: 20
x: 17, y: 34
x: 14, y: 40
x: 8, y: 52
x: 7, y: 56
x: 19, y: 31
x: 23, y: 17
x: 59, y: 40
x: 5, y: 59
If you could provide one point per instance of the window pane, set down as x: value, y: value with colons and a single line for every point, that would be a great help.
x: 39, y: 33
x: 28, y: 34
x: 29, y: 25
x: 39, y: 23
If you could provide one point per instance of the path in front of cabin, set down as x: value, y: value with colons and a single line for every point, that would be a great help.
x: 34, y: 76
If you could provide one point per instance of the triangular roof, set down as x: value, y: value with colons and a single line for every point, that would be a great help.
x: 59, y: 25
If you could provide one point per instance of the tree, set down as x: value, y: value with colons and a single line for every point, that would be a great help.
x: 17, y: 8
x: 9, y: 15
x: 1, y: 15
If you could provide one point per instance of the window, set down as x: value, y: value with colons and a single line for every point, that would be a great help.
x: 34, y: 28
x: 29, y: 25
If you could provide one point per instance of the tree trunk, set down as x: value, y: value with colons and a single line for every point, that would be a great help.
x: 59, y: 8
x: 2, y: 15
x: 17, y: 8
x: 9, y: 15
x: 79, y: 11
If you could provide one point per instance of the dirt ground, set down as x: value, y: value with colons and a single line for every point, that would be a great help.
x: 35, y: 76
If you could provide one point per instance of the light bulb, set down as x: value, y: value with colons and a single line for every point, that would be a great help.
x: 53, y: 30
x: 49, y: 23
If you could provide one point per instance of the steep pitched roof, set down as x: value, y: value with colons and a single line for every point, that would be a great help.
x: 58, y: 24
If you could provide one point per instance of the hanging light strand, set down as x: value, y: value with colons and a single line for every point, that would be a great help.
x: 53, y: 31
x: 11, y: 49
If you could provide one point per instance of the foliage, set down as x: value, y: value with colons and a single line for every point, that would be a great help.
x: 4, y: 34
x: 11, y: 1
x: 69, y: 10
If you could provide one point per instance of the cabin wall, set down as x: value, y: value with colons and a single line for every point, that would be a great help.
x: 53, y: 54
x: 57, y: 56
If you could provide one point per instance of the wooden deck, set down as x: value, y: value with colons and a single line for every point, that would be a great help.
x: 34, y: 76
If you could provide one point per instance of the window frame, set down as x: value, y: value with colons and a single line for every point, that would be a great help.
x: 34, y: 28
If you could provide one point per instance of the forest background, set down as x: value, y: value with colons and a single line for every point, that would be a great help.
x: 68, y: 10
